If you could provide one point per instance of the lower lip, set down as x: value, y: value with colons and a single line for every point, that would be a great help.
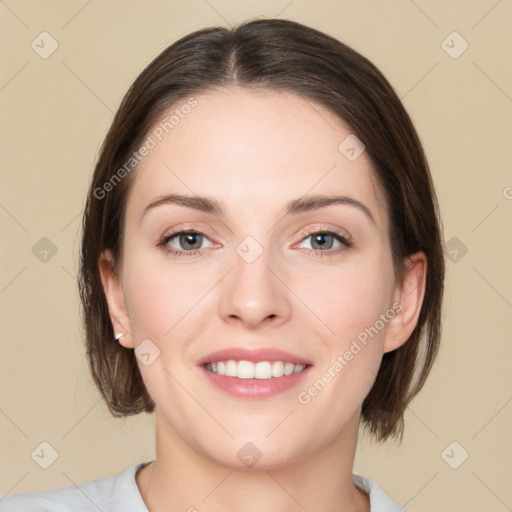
x: 254, y: 388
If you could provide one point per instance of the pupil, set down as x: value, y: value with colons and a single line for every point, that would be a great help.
x: 188, y: 238
x: 318, y: 240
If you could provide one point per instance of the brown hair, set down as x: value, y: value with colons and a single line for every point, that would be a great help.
x: 279, y: 55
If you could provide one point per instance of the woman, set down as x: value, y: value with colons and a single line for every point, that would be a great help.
x: 261, y: 265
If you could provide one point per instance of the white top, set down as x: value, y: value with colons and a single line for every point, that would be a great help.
x: 121, y: 494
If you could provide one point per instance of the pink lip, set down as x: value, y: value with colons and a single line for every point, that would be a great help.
x: 254, y: 388
x: 254, y: 355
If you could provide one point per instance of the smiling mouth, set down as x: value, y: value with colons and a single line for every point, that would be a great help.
x: 248, y: 370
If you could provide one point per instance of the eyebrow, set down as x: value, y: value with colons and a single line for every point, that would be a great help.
x: 302, y: 204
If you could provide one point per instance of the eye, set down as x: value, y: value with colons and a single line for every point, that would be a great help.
x: 183, y: 243
x: 324, y: 242
x: 328, y: 241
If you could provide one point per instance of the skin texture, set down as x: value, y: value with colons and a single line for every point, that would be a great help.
x: 254, y: 151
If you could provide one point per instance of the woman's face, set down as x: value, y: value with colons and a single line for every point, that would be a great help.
x: 254, y: 284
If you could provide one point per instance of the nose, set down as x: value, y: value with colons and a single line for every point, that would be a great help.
x: 254, y: 294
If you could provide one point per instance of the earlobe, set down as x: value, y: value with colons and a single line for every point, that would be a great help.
x: 113, y: 290
x: 409, y: 294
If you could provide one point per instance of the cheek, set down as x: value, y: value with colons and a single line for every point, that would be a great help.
x: 342, y: 299
x: 145, y: 303
x: 158, y: 296
x: 352, y: 304
x: 350, y: 298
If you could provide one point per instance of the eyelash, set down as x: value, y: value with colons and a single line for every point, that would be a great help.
x: 163, y: 243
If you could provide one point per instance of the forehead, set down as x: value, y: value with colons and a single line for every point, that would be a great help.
x: 252, y: 150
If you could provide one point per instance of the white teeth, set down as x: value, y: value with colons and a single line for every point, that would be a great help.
x: 277, y: 369
x: 231, y: 368
x: 263, y: 370
x: 288, y: 368
x: 245, y: 370
x: 250, y: 370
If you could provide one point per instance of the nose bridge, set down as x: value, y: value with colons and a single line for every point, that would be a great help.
x: 252, y: 292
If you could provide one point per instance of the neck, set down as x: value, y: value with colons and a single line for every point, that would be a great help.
x: 181, y: 479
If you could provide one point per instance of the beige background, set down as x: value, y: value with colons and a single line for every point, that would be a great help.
x: 55, y: 113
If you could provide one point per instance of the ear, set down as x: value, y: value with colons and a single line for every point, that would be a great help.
x: 115, y: 298
x: 408, y: 298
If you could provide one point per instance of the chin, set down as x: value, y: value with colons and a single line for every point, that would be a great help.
x: 256, y: 454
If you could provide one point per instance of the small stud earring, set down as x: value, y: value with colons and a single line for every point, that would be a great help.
x: 119, y: 336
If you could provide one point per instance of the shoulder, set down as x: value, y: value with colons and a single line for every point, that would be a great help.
x: 98, y: 494
x: 379, y: 500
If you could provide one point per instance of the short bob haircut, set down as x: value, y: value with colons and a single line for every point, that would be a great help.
x: 276, y: 55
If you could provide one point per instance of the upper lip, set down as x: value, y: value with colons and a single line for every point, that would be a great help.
x: 254, y: 355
